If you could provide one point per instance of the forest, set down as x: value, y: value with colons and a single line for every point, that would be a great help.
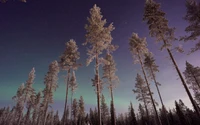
x: 34, y: 108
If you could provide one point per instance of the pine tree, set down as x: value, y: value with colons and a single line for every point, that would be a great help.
x: 75, y: 112
x: 36, y: 108
x: 142, y: 92
x: 152, y: 68
x: 68, y: 62
x: 73, y: 86
x: 132, y: 116
x: 50, y: 82
x: 180, y: 114
x: 193, y: 18
x: 104, y: 110
x: 81, y: 110
x: 99, y: 36
x: 143, y: 119
x: 158, y: 28
x: 138, y: 47
x: 19, y: 98
x: 109, y: 75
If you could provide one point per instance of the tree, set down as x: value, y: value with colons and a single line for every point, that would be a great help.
x: 193, y: 18
x: 152, y: 68
x: 73, y: 86
x: 142, y: 92
x: 68, y: 61
x: 50, y: 82
x: 104, y: 110
x: 75, y: 111
x: 192, y: 76
x: 19, y: 98
x: 138, y: 47
x: 81, y: 111
x: 180, y: 114
x: 36, y: 107
x: 109, y: 69
x: 99, y: 37
x: 158, y: 28
x: 132, y: 116
x: 56, y: 120
x: 27, y: 92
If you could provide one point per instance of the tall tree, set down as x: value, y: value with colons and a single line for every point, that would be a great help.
x: 50, y: 82
x: 73, y: 86
x: 19, y: 98
x: 158, y: 28
x: 192, y: 76
x: 193, y: 18
x: 36, y: 108
x: 27, y: 92
x: 75, y: 109
x: 81, y: 111
x: 152, y: 68
x: 138, y: 47
x: 109, y: 69
x: 142, y: 92
x: 99, y: 37
x: 132, y: 116
x: 104, y: 110
x: 68, y: 61
x: 180, y: 114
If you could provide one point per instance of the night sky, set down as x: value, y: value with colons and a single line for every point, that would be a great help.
x: 34, y: 34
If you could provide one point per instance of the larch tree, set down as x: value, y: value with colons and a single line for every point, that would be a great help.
x: 138, y: 48
x: 142, y: 92
x: 158, y: 28
x: 50, y: 82
x: 99, y: 37
x: 193, y: 18
x: 81, y: 111
x: 104, y: 110
x: 152, y: 68
x: 73, y: 86
x: 109, y: 69
x: 68, y: 62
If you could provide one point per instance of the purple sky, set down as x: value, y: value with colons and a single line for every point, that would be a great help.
x: 34, y: 34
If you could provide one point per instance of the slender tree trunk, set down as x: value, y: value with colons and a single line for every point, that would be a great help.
x: 98, y: 89
x: 45, y: 113
x: 71, y: 108
x: 145, y: 106
x: 154, y: 106
x: 113, y: 120
x: 183, y: 81
x: 66, y: 96
x: 163, y: 107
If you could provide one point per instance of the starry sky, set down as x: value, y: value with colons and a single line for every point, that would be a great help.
x: 34, y: 34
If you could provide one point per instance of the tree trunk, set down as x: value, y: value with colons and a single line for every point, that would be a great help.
x: 183, y: 81
x: 45, y: 113
x: 154, y: 106
x: 98, y: 89
x: 66, y: 96
x: 159, y: 95
x: 71, y: 108
x: 113, y: 120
